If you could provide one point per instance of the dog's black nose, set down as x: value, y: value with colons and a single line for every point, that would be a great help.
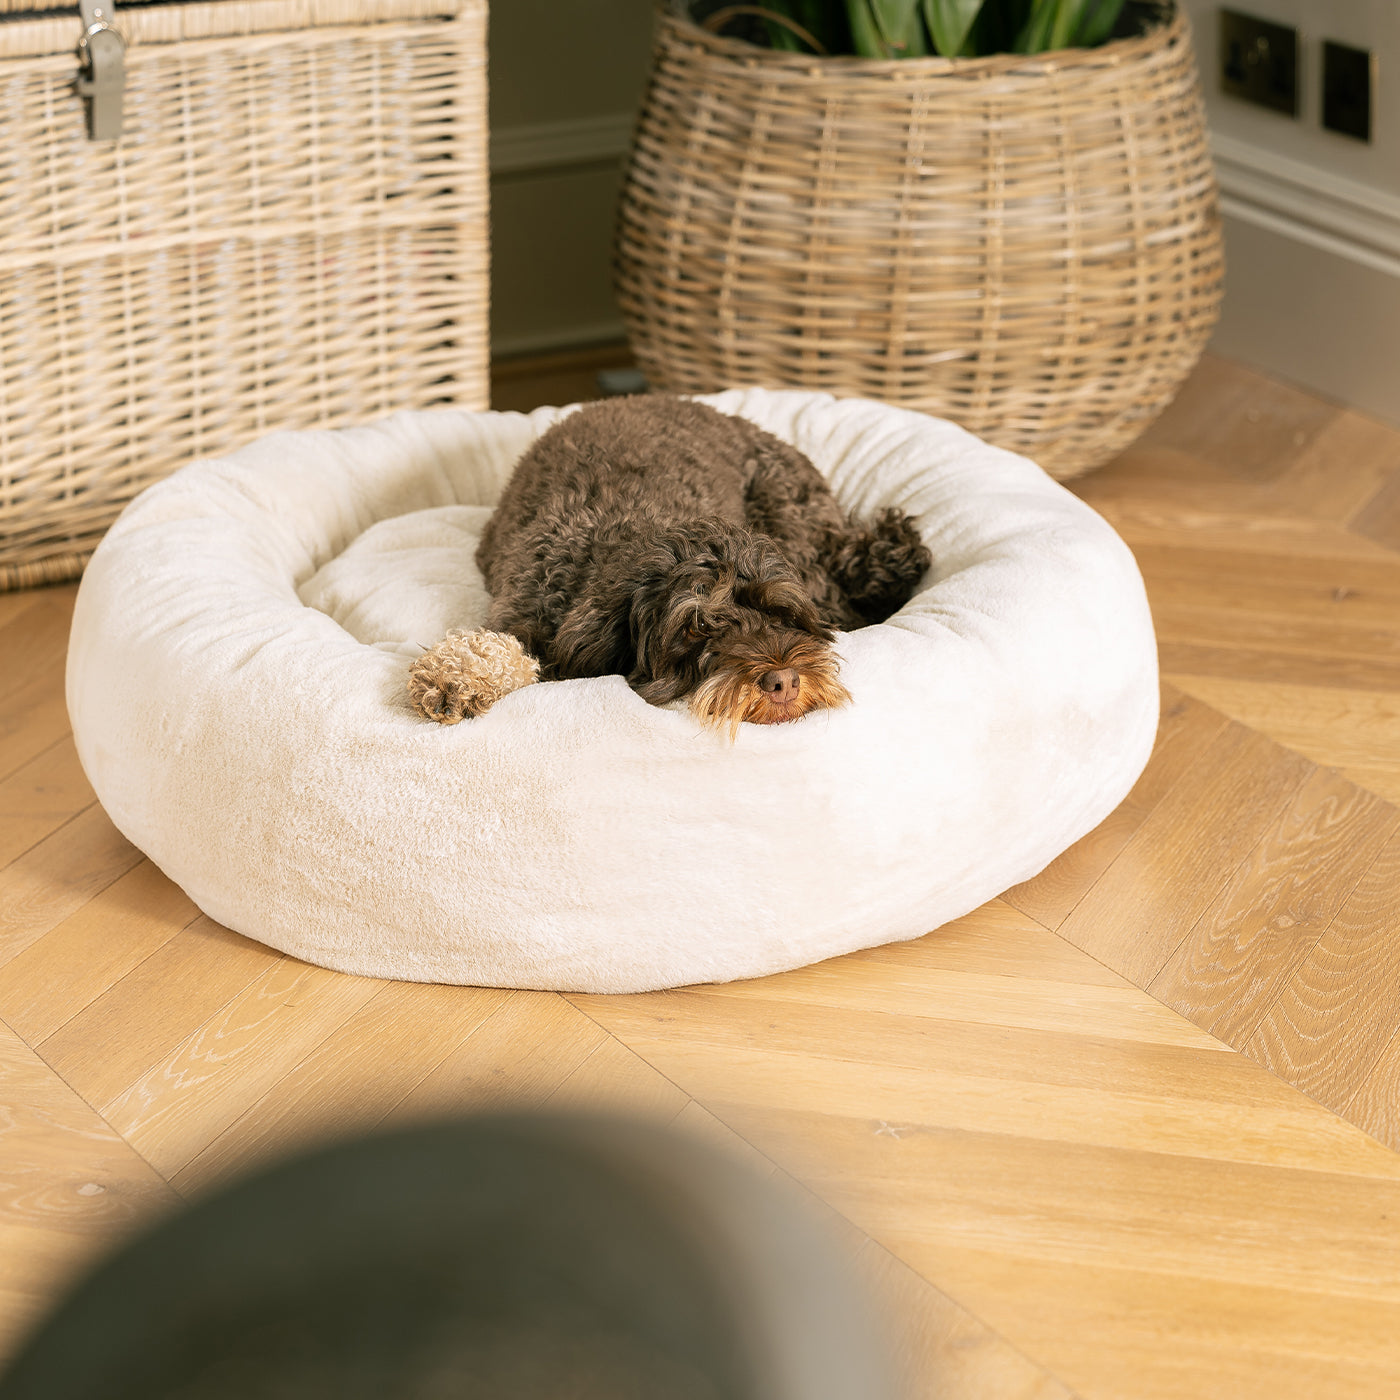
x: 780, y: 686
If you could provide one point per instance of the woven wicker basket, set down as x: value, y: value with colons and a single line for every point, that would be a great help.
x: 1027, y: 245
x: 291, y: 231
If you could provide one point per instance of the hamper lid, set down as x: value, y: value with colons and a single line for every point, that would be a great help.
x: 307, y: 13
x: 35, y: 27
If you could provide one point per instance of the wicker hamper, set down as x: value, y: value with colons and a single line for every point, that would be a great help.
x: 290, y: 231
x: 1027, y: 245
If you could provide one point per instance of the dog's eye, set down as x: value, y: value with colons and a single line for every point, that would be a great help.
x: 694, y: 632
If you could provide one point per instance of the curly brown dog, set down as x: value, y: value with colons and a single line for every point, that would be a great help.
x: 683, y: 548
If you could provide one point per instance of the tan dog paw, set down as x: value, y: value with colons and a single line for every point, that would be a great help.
x: 467, y: 672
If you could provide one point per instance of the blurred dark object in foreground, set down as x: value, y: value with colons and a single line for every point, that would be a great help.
x: 511, y: 1258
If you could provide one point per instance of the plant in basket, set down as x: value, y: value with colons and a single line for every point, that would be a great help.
x: 1001, y: 212
x: 917, y: 28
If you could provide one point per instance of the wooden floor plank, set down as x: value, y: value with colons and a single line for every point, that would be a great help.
x: 55, y: 879
x: 1243, y: 423
x: 1196, y: 837
x: 80, y: 959
x: 1354, y: 731
x: 180, y: 1104
x: 1227, y: 1340
x: 1152, y: 470
x: 1100, y: 1092
x: 351, y: 1080
x: 1332, y: 609
x: 35, y: 639
x: 974, y: 999
x: 1271, y: 913
x: 1362, y: 656
x: 1375, y: 1106
x: 569, y: 376
x: 1124, y: 1176
x: 39, y: 797
x: 1224, y: 520
x: 1195, y: 1219
x: 1342, y: 470
x: 105, y: 1043
x: 997, y: 941
x: 1341, y: 582
x: 1187, y: 728
x: 33, y: 642
x: 1378, y: 518
x: 69, y: 1186
x: 1181, y: 654
x: 613, y: 1079
x: 937, y: 1347
x: 517, y: 1059
x: 33, y: 717
x: 1337, y: 1014
x: 15, y: 602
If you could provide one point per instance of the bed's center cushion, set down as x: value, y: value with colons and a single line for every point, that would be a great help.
x: 404, y: 582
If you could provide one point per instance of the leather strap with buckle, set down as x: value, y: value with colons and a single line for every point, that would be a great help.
x: 102, y: 52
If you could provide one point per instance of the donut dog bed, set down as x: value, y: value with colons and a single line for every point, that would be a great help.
x: 237, y: 687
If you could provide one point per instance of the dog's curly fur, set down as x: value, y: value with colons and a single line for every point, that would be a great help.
x: 691, y: 552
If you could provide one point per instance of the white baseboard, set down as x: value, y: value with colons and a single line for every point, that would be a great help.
x: 570, y: 337
x: 537, y: 146
x: 1314, y: 206
x: 1312, y: 276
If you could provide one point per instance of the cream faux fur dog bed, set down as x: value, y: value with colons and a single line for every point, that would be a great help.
x: 236, y: 682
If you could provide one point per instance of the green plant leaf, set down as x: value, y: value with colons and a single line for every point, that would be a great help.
x: 950, y: 22
x: 1096, y: 23
x: 1063, y: 24
x: 887, y: 28
x: 782, y: 38
x: 912, y: 28
x: 1035, y: 34
x: 865, y: 36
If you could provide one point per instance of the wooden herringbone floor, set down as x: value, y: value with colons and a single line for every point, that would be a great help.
x: 1128, y: 1131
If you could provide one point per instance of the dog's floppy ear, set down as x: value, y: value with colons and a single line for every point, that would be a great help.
x: 609, y: 623
x: 651, y: 632
x: 594, y: 639
x: 680, y: 565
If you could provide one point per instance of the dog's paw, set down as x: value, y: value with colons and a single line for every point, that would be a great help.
x: 467, y: 672
x: 878, y: 566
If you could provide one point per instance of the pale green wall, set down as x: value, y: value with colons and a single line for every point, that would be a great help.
x: 566, y: 77
x: 555, y: 60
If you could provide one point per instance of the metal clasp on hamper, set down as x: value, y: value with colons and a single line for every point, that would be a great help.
x: 102, y: 52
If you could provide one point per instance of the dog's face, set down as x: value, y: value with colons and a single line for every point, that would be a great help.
x: 722, y: 619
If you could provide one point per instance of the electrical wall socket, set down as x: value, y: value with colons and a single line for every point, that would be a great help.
x: 1346, y: 89
x: 1259, y: 61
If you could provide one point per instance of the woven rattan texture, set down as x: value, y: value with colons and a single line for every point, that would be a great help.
x: 1029, y: 246
x: 291, y: 232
